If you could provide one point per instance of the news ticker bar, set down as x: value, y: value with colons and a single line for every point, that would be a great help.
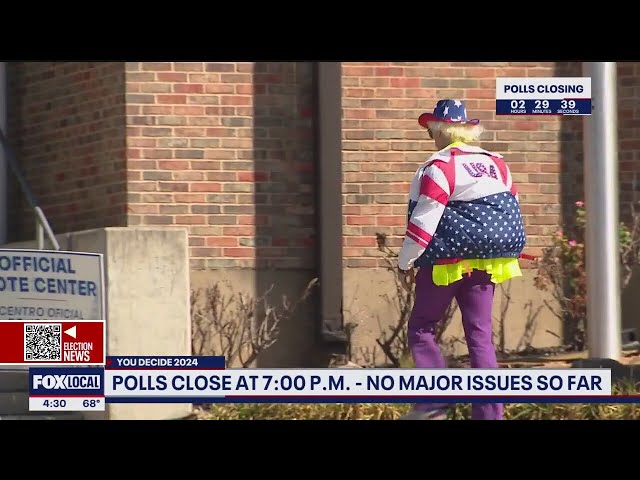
x: 52, y: 343
x: 383, y: 383
x: 156, y: 380
x: 543, y: 96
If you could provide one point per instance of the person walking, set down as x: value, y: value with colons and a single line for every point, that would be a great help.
x: 465, y: 234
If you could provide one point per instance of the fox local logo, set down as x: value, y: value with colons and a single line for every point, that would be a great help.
x: 66, y: 382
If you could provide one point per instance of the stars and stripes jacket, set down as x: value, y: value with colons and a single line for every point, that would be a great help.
x: 462, y: 205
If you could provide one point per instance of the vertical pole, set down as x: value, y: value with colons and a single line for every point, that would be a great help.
x: 4, y: 195
x: 601, y: 198
x: 329, y: 186
x: 39, y: 234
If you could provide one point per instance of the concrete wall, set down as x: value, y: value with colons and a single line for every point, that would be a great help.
x: 371, y: 306
x: 147, y: 292
x: 297, y: 344
x: 631, y: 304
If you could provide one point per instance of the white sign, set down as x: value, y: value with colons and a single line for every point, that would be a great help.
x: 51, y: 285
x: 538, y: 88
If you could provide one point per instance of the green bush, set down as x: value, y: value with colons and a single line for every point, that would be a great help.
x: 515, y: 411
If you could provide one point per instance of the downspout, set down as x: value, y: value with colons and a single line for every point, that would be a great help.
x: 328, y: 87
x: 4, y: 195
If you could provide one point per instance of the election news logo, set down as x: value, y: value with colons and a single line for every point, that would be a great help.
x: 79, y: 343
x: 66, y: 381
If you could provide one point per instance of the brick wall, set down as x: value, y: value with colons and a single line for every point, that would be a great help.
x: 571, y: 146
x: 383, y: 145
x: 629, y: 133
x: 66, y: 123
x: 225, y: 149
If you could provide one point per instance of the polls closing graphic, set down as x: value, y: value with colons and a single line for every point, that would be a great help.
x: 48, y: 343
x: 543, y: 96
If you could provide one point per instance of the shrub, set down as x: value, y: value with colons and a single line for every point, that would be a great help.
x: 392, y: 340
x: 562, y: 271
x: 238, y: 326
x: 515, y: 411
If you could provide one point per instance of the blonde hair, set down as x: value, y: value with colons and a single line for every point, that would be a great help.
x: 458, y: 133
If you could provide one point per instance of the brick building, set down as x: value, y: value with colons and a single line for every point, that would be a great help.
x: 230, y: 152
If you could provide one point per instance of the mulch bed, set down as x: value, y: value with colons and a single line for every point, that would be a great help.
x: 545, y: 358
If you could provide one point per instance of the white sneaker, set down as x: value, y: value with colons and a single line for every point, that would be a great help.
x: 420, y: 415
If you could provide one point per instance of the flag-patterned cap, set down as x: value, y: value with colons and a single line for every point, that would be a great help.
x: 449, y: 111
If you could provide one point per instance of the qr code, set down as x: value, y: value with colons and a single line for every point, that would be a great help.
x: 43, y: 342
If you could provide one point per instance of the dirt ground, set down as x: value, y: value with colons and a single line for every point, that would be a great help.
x: 561, y: 360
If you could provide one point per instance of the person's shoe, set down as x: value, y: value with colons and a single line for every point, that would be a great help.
x: 420, y: 415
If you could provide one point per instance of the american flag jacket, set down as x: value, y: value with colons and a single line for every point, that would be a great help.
x: 462, y: 205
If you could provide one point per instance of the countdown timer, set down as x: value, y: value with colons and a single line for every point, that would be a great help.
x: 544, y: 107
x: 543, y: 96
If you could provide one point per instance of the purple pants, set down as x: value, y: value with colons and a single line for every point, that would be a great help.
x: 474, y: 294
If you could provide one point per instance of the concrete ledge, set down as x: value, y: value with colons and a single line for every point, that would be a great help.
x: 44, y: 416
x: 14, y: 403
x: 14, y: 381
x: 620, y: 373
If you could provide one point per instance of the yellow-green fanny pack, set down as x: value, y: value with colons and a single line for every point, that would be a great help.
x: 500, y: 270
